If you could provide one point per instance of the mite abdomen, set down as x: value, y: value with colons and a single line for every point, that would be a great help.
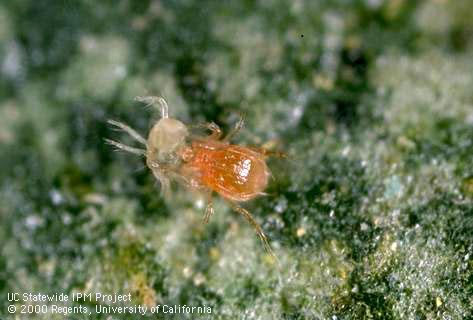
x: 235, y: 172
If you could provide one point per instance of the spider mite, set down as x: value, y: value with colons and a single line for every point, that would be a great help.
x: 206, y: 164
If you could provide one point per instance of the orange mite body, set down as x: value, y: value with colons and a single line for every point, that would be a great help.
x: 205, y: 164
x: 235, y: 172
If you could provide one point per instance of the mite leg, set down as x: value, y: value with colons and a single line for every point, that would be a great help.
x: 121, y: 146
x: 153, y: 101
x: 209, y: 209
x: 135, y: 135
x: 268, y: 153
x: 238, y: 126
x: 215, y: 131
x: 160, y: 174
x: 257, y: 227
x: 165, y: 186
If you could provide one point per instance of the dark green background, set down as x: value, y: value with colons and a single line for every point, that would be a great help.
x: 371, y: 215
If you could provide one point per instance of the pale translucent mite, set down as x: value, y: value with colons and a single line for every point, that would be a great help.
x: 205, y: 164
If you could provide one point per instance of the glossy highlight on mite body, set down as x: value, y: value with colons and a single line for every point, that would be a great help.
x: 207, y: 164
